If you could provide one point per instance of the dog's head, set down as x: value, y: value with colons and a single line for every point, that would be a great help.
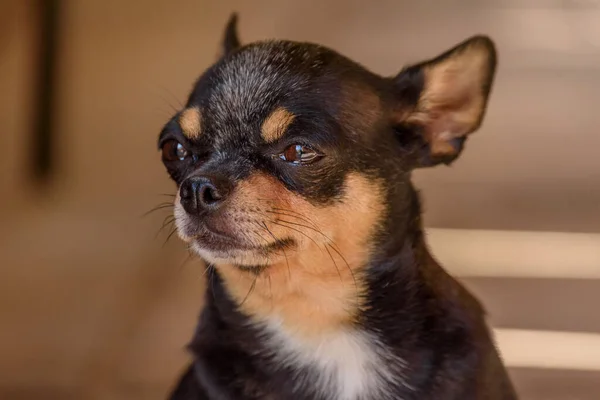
x: 289, y: 150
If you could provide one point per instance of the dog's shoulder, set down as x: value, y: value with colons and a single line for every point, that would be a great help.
x: 188, y: 387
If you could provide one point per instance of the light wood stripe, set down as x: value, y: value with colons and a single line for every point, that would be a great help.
x: 549, y: 349
x: 480, y: 253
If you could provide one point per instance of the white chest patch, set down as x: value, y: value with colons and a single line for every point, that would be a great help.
x: 349, y: 365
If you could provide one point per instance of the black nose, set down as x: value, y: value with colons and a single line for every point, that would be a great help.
x: 201, y: 194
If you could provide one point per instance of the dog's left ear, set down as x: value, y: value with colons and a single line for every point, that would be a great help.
x: 444, y: 99
x: 231, y: 40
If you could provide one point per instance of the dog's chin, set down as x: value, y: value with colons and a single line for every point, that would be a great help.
x: 243, y: 257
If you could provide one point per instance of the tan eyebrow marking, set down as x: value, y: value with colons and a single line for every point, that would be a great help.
x: 190, y: 121
x: 275, y: 125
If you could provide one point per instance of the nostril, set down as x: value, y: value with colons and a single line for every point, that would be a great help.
x: 210, y: 195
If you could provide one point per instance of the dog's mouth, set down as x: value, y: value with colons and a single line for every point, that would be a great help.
x: 236, y: 246
x: 220, y: 242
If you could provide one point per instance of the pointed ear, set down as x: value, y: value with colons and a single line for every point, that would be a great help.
x: 443, y: 100
x: 230, y: 40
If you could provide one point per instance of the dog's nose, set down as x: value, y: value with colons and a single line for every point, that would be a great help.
x: 201, y: 194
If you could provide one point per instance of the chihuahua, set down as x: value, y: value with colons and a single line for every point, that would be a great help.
x: 293, y: 167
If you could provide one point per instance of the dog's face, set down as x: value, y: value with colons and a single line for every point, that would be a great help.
x: 290, y: 153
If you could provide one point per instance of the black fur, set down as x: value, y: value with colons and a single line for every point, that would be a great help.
x: 419, y: 313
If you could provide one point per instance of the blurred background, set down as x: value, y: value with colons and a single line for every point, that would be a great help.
x: 93, y: 305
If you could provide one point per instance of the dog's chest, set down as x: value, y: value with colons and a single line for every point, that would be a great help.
x: 345, y: 365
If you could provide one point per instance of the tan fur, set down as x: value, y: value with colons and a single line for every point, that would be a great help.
x: 275, y: 125
x: 453, y: 98
x: 311, y: 289
x: 190, y: 121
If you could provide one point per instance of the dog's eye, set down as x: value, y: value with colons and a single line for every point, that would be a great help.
x: 174, y: 151
x: 299, y: 154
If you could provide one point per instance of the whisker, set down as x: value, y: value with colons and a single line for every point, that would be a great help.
x: 311, y: 228
x: 304, y: 226
x: 187, y: 259
x: 250, y: 290
x: 329, y: 240
x: 206, y: 269
x: 288, y: 210
x: 173, y: 97
x: 287, y: 261
x: 158, y: 207
x: 296, y: 230
x: 297, y: 215
x: 169, y: 219
x: 287, y: 213
x: 259, y: 234
x: 335, y: 264
x: 347, y: 265
x: 169, y: 103
x: 169, y: 237
x: 310, y: 225
x: 327, y: 245
x: 265, y: 240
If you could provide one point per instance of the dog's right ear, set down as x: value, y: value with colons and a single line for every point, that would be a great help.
x: 230, y: 41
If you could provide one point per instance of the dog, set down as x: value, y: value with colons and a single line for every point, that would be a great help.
x: 293, y: 168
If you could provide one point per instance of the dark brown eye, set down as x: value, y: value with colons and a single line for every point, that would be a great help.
x: 174, y: 151
x: 299, y: 154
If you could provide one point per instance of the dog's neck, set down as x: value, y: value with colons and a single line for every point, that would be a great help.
x: 350, y: 340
